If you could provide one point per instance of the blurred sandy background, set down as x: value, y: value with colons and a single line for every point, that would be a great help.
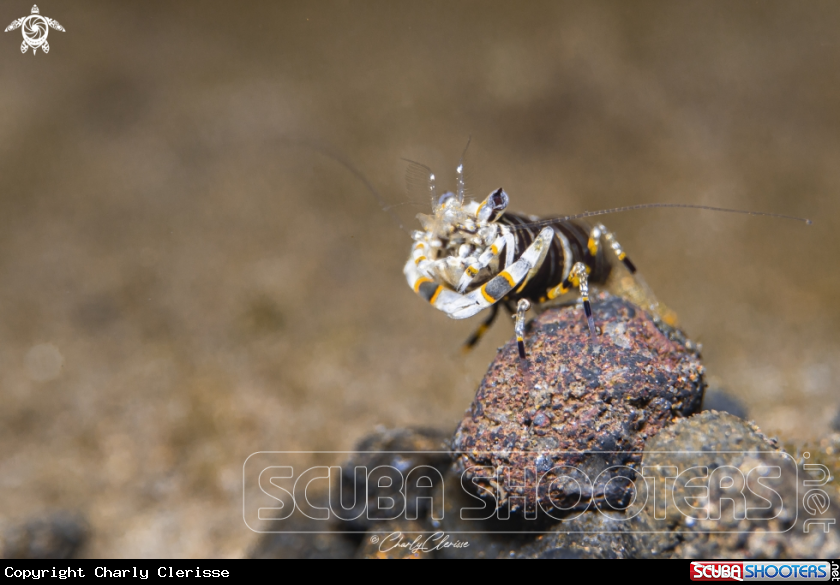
x: 180, y: 288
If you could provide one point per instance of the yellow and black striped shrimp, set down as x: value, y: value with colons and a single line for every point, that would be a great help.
x: 472, y: 256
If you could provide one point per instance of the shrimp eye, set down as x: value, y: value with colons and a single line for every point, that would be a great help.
x: 498, y: 199
x: 493, y: 207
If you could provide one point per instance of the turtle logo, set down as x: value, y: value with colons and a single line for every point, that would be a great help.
x: 35, y: 30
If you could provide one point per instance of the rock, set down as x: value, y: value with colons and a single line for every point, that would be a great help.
x: 305, y: 545
x: 491, y: 538
x: 576, y: 405
x: 592, y: 535
x: 393, y: 453
x: 399, y: 539
x: 827, y: 452
x: 653, y: 526
x: 57, y: 536
x: 767, y: 517
x: 302, y: 537
x: 756, y: 505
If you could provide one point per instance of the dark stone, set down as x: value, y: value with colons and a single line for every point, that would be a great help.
x: 592, y: 535
x: 401, y: 539
x: 742, y: 518
x: 394, y: 452
x: 580, y: 398
x: 714, y: 440
x: 560, y: 553
x: 305, y: 545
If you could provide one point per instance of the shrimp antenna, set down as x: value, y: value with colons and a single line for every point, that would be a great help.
x: 334, y: 156
x: 460, y: 171
x: 420, y: 177
x: 669, y: 205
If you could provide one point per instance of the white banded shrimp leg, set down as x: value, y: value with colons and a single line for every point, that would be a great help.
x: 420, y: 257
x: 636, y: 289
x: 579, y: 276
x: 461, y: 306
x: 482, y: 329
x: 519, y: 328
x: 594, y: 241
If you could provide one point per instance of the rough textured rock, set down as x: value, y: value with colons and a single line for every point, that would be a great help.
x: 593, y: 535
x: 743, y: 518
x: 573, y: 398
x: 718, y: 441
x: 827, y: 452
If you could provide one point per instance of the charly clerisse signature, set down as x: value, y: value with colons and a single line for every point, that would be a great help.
x: 421, y: 543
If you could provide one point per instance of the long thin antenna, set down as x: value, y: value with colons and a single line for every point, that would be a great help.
x: 460, y: 171
x: 418, y: 174
x: 669, y: 205
x: 330, y: 154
